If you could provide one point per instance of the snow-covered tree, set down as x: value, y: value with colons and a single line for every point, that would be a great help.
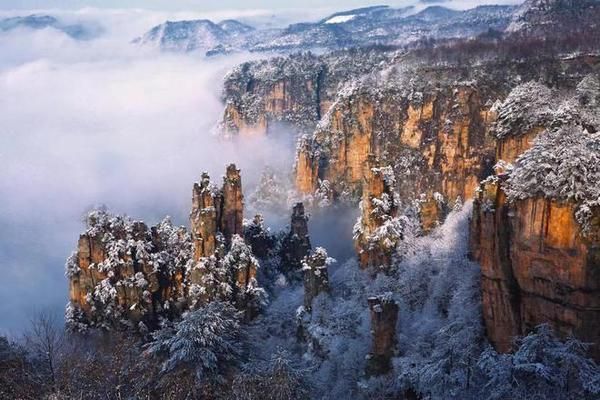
x: 543, y: 367
x: 243, y: 266
x: 271, y: 194
x: 563, y: 165
x: 208, y: 280
x: 280, y: 378
x: 206, y: 343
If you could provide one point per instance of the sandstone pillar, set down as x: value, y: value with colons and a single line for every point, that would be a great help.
x: 384, y: 316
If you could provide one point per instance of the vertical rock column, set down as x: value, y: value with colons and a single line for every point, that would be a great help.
x: 384, y: 316
x: 296, y: 245
x: 377, y: 208
x: 233, y: 204
x: 206, y: 202
x: 316, y: 277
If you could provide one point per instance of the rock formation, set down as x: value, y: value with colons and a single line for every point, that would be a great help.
x: 429, y: 123
x: 438, y: 143
x: 259, y: 237
x: 536, y: 227
x: 233, y: 204
x: 384, y: 316
x: 296, y: 245
x: 377, y: 231
x: 295, y: 91
x: 316, y: 277
x: 123, y: 273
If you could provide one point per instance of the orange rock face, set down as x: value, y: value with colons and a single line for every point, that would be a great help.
x: 443, y: 138
x: 233, y: 204
x: 537, y: 267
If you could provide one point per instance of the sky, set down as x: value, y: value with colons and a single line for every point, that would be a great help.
x: 191, y: 5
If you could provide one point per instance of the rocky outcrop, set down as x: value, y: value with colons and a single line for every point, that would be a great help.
x: 316, y: 277
x: 233, y: 204
x: 537, y: 267
x: 375, y: 233
x: 536, y: 226
x: 296, y: 245
x: 384, y: 317
x: 288, y: 92
x: 124, y: 274
x: 216, y: 212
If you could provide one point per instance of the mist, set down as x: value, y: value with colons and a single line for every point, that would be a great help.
x: 101, y: 123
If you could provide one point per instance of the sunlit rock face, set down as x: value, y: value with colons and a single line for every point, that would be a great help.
x: 288, y: 93
x: 374, y: 246
x: 537, y: 267
x: 535, y: 229
x: 436, y: 142
x: 125, y: 275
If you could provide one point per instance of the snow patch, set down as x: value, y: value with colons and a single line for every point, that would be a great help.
x: 340, y: 19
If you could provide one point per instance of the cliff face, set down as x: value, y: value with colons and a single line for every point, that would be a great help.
x: 124, y: 274
x: 537, y: 267
x: 435, y: 143
x: 288, y: 92
x: 535, y: 228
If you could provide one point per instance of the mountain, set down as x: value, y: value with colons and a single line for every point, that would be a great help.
x: 548, y: 17
x: 234, y: 27
x: 377, y: 25
x: 76, y: 31
x: 194, y: 35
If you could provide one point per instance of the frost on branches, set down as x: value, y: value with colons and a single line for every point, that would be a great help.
x: 271, y: 193
x: 248, y: 295
x: 527, y: 106
x: 206, y: 343
x: 379, y: 229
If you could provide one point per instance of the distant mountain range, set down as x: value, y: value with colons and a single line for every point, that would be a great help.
x: 76, y: 31
x: 378, y: 25
x: 362, y: 27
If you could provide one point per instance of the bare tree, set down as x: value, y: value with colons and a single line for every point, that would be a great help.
x: 45, y: 341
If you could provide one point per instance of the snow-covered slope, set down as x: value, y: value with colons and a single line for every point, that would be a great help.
x: 378, y: 25
x: 541, y: 17
x: 194, y: 35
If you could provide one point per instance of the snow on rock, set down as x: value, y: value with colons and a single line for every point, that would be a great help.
x: 340, y: 19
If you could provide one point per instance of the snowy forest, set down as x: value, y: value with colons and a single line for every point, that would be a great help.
x: 415, y: 216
